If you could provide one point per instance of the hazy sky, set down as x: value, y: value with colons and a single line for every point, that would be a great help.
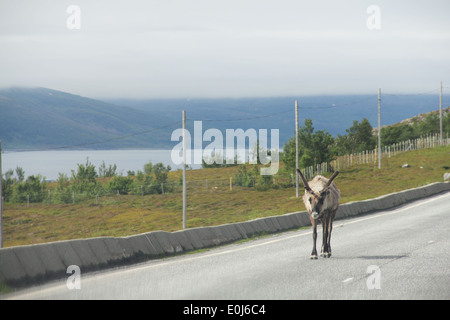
x: 225, y: 48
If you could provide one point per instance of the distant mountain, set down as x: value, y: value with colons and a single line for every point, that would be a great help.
x: 40, y: 118
x: 334, y: 113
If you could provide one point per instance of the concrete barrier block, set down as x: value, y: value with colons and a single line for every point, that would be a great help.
x: 115, y: 250
x: 248, y: 228
x: 353, y: 209
x: 401, y: 198
x: 33, y: 266
x: 206, y: 236
x: 174, y: 241
x: 295, y: 222
x: 183, y: 240
x: 50, y: 258
x: 377, y: 204
x: 232, y: 232
x: 141, y: 245
x: 11, y: 269
x: 194, y: 238
x: 269, y: 222
x: 390, y: 201
x: 420, y: 193
x: 271, y: 225
x: 159, y: 242
x: 413, y: 195
x: 100, y: 250
x: 126, y: 248
x: 274, y: 224
x: 284, y: 222
x: 242, y: 231
x: 167, y: 242
x: 84, y: 251
x: 257, y: 226
x: 365, y: 206
x: 304, y: 218
x: 229, y: 232
x: 220, y: 236
x: 341, y: 212
x: 347, y: 209
x: 67, y: 253
x: 428, y: 190
x: 154, y: 246
x: 262, y: 226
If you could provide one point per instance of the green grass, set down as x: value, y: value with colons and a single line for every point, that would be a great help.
x: 136, y: 214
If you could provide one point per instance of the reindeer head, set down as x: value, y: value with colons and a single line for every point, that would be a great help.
x: 318, y: 201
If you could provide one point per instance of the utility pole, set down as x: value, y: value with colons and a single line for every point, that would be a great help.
x: 1, y: 199
x: 296, y: 148
x: 379, y: 128
x: 440, y: 115
x: 184, y: 169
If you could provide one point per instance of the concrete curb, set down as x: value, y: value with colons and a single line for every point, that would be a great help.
x: 27, y: 265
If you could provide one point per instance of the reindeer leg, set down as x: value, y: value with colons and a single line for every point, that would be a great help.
x: 330, y: 228
x: 314, y: 251
x: 324, y: 251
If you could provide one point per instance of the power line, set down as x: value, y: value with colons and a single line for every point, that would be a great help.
x: 243, y: 119
x: 284, y: 112
x: 410, y: 94
x: 351, y: 103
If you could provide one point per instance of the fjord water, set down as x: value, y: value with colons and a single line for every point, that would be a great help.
x: 50, y: 163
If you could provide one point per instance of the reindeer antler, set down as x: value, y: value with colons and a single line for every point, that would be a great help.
x: 331, y: 179
x: 305, y: 183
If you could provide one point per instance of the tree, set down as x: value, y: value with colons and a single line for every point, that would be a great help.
x: 161, y: 177
x: 142, y: 183
x: 314, y: 147
x: 33, y: 186
x: 8, y: 184
x: 359, y: 138
x: 20, y: 174
x: 109, y: 172
x: 321, y: 147
x: 152, y: 179
x: 84, y: 179
x: 397, y: 133
x: 244, y: 177
x: 148, y: 168
x: 121, y: 184
x: 63, y: 192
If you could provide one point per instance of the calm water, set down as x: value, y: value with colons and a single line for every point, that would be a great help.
x: 50, y: 163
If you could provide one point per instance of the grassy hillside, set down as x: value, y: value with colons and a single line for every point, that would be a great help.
x: 216, y: 205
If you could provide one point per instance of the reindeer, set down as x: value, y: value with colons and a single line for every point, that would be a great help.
x: 321, y: 199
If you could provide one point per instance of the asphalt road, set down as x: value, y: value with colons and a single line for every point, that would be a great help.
x: 397, y: 254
